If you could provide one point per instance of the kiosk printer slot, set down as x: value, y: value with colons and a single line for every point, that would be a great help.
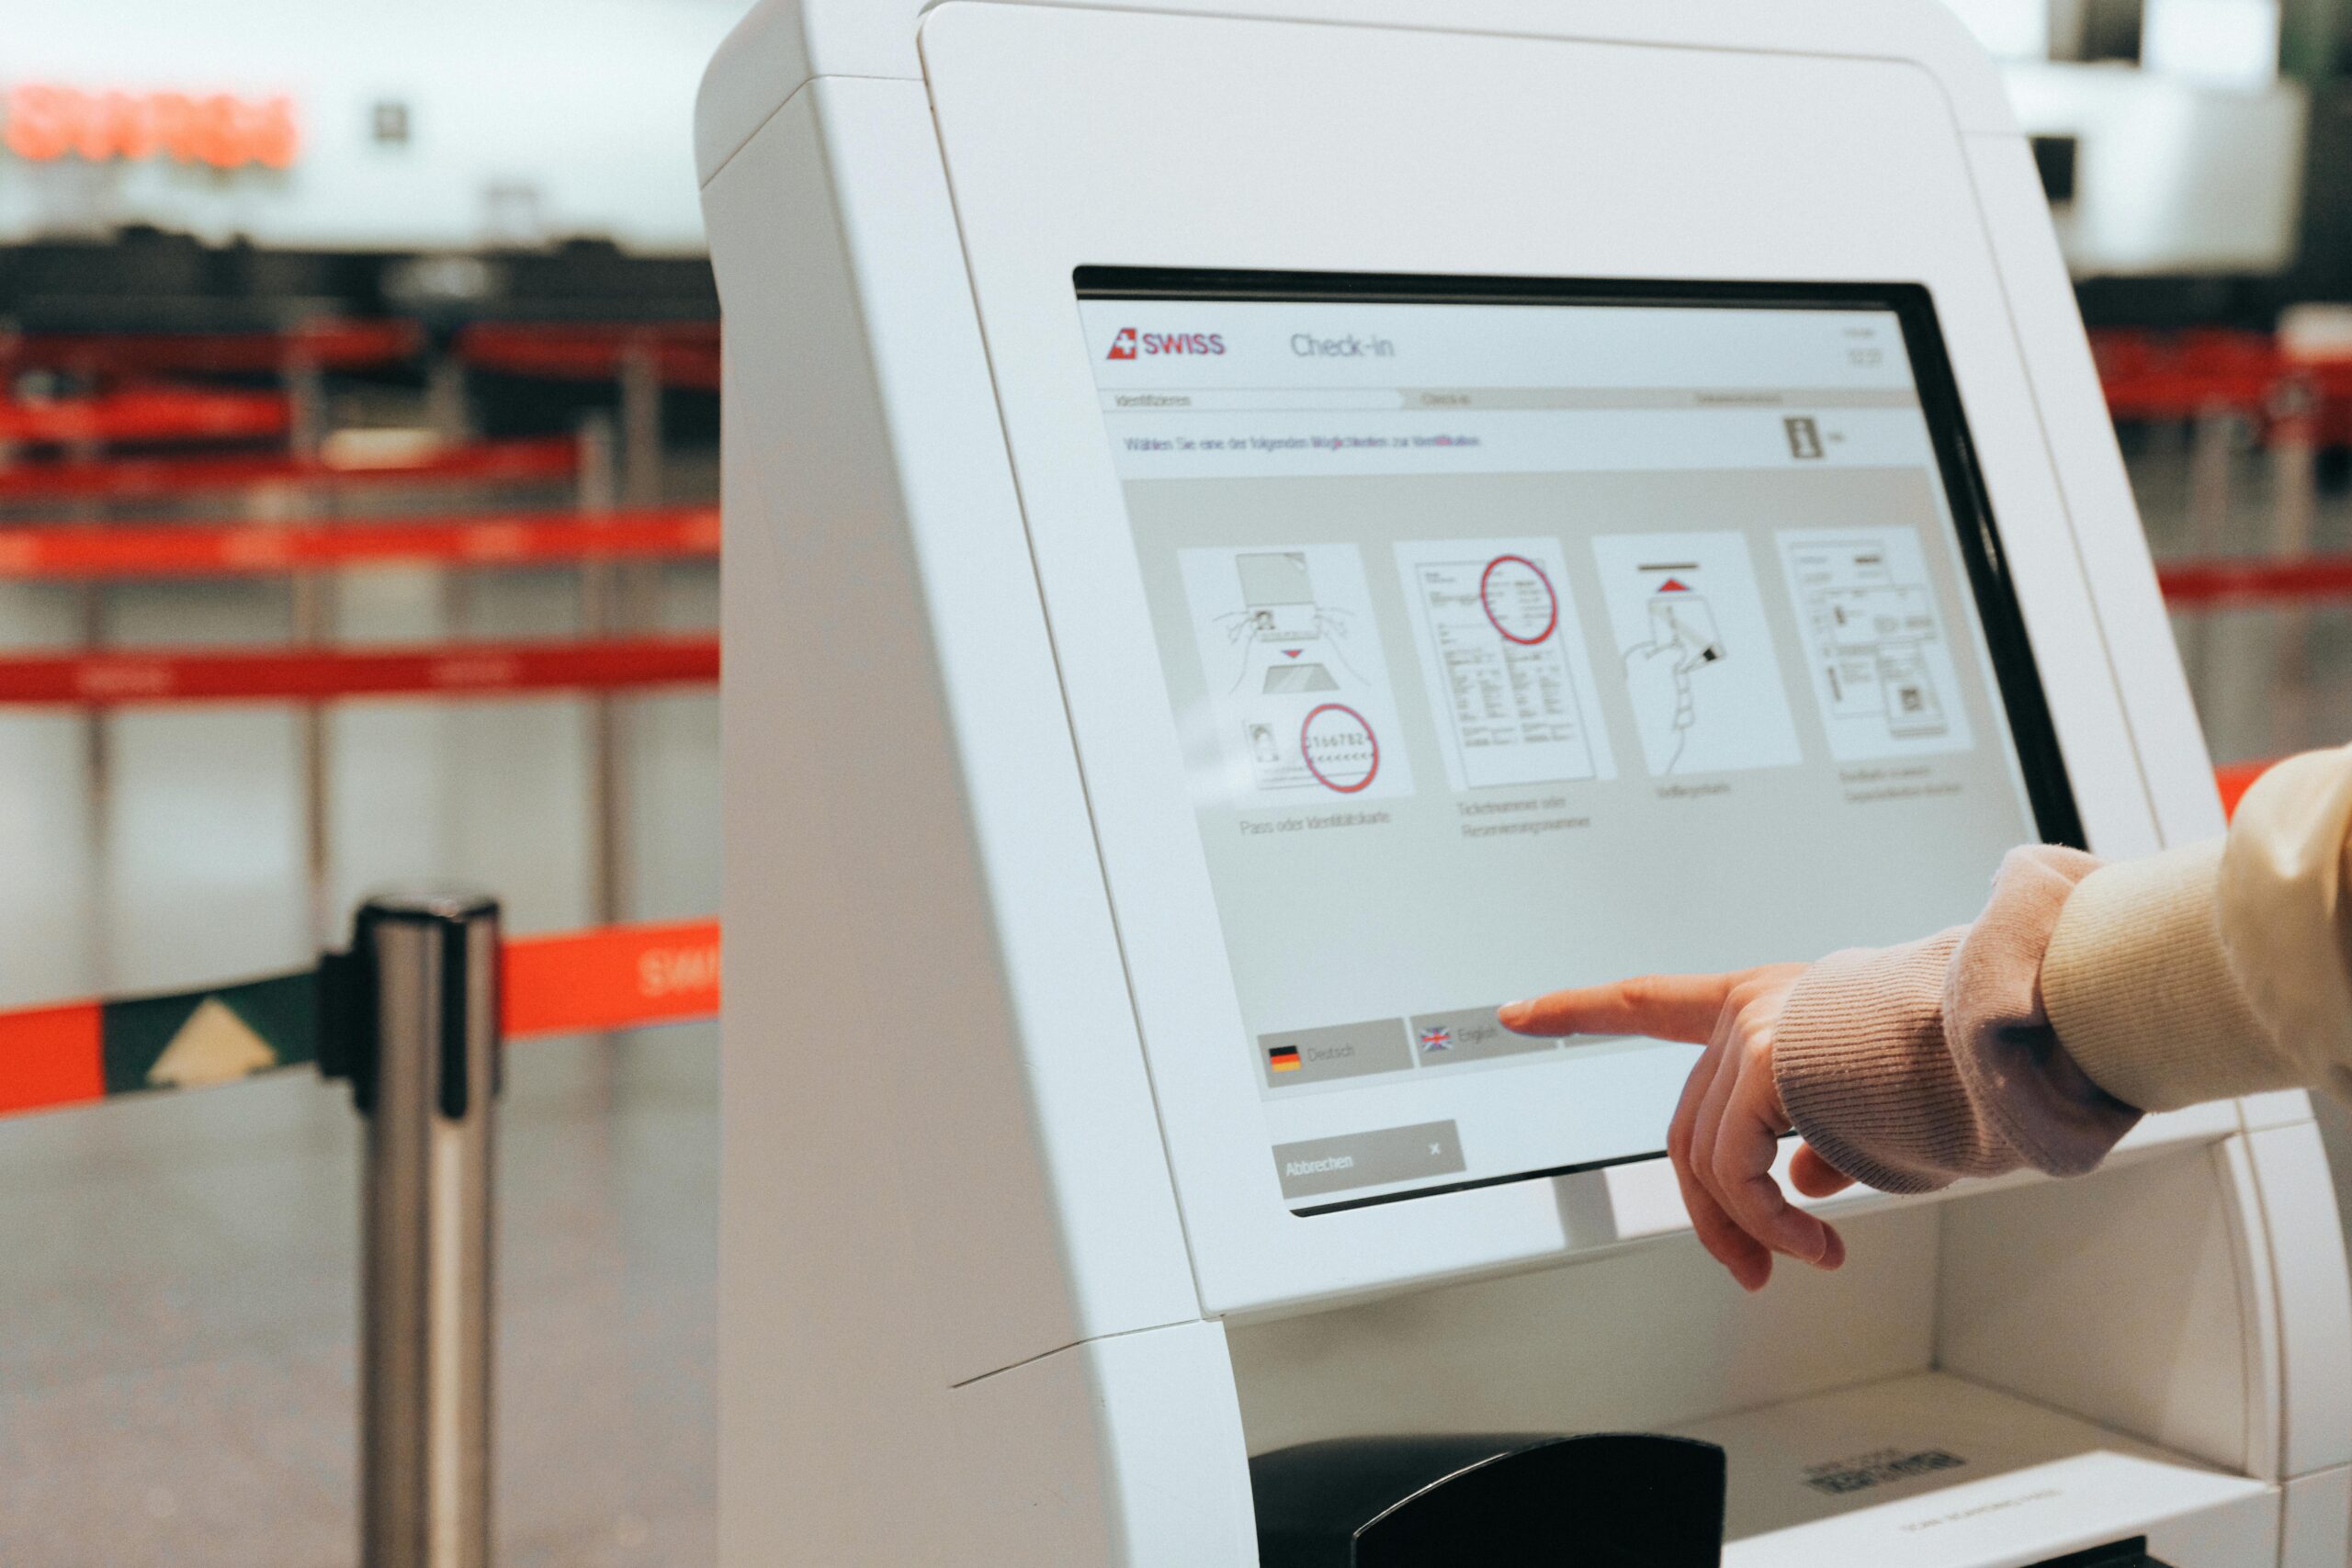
x: 1259, y: 529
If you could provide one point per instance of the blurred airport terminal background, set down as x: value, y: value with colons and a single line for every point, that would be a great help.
x: 358, y: 425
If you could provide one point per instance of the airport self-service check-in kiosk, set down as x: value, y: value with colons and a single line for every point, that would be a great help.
x: 1258, y: 530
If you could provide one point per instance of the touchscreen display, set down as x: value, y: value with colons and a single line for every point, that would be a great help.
x: 1521, y: 637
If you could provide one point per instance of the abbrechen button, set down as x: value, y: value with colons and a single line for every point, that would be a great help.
x: 1340, y: 1051
x: 1368, y: 1159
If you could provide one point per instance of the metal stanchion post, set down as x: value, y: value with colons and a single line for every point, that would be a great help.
x: 2294, y: 476
x: 411, y: 1016
x: 97, y: 741
x: 449, y: 416
x: 640, y: 378
x: 2212, y: 454
x: 641, y: 375
x: 314, y: 617
x: 602, y: 615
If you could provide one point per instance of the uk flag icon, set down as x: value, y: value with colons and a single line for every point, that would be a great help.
x: 1437, y: 1039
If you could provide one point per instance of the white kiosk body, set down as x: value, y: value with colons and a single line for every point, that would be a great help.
x: 1257, y: 530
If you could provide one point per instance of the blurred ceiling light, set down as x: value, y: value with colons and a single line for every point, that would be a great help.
x: 384, y: 448
x: 2315, y: 332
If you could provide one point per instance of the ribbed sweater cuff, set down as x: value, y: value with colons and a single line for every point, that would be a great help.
x: 1859, y: 1058
x: 1912, y: 1066
x: 2141, y: 988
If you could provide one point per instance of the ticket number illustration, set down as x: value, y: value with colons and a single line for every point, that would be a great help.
x: 1881, y: 666
x: 1503, y: 654
x: 1298, y: 685
x: 1697, y: 652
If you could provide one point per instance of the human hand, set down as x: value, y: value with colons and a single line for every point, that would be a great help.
x: 1727, y: 1128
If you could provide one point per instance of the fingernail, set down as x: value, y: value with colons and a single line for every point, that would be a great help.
x: 1511, y: 1013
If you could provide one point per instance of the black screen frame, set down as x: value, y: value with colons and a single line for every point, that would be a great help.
x: 2050, y: 794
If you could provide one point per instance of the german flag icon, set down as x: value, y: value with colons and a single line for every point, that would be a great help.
x: 1282, y: 1059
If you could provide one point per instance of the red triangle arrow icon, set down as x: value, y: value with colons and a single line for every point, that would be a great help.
x: 1674, y: 585
x: 1293, y: 652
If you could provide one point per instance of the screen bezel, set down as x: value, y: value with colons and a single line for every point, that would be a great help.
x: 2049, y: 793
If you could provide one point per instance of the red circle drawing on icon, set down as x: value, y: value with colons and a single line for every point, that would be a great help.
x: 1370, y: 743
x: 1551, y: 599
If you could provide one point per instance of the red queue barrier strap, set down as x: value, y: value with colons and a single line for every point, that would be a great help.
x: 2233, y: 779
x: 2181, y: 375
x: 685, y: 352
x: 108, y: 680
x: 565, y: 983
x: 615, y: 977
x: 2184, y: 394
x: 153, y: 478
x: 148, y: 413
x: 2221, y: 583
x: 50, y: 1057
x: 85, y: 551
x: 330, y: 345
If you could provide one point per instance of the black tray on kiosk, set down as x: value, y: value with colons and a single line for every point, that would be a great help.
x: 2133, y: 1553
x: 1604, y: 1501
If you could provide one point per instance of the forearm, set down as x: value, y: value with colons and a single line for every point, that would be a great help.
x: 1909, y: 1067
x: 2086, y: 994
x: 2139, y: 985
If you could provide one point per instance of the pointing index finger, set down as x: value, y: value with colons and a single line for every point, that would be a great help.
x: 1664, y: 1007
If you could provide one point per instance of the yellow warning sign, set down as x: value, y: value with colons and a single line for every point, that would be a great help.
x: 213, y: 1046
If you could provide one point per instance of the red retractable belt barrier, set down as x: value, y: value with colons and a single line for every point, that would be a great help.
x: 2233, y: 779
x: 2331, y: 382
x: 328, y: 345
x: 148, y: 677
x: 2151, y: 375
x: 611, y: 977
x: 148, y: 413
x: 686, y: 354
x: 2180, y: 375
x: 82, y: 551
x: 2213, y: 584
x: 153, y: 478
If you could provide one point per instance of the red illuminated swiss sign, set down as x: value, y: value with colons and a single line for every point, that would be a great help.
x: 47, y: 122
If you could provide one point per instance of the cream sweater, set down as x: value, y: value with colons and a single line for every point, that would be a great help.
x: 2087, y: 993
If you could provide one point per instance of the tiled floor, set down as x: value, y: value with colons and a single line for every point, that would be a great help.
x: 176, y: 1274
x: 177, y: 1289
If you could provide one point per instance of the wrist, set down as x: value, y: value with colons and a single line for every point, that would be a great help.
x: 1860, y: 1063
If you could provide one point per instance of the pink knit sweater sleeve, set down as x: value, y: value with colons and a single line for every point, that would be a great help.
x: 1908, y: 1068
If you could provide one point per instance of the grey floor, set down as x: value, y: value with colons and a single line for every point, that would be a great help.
x: 176, y: 1274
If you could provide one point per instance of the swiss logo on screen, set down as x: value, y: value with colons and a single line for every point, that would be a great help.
x: 1132, y: 344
